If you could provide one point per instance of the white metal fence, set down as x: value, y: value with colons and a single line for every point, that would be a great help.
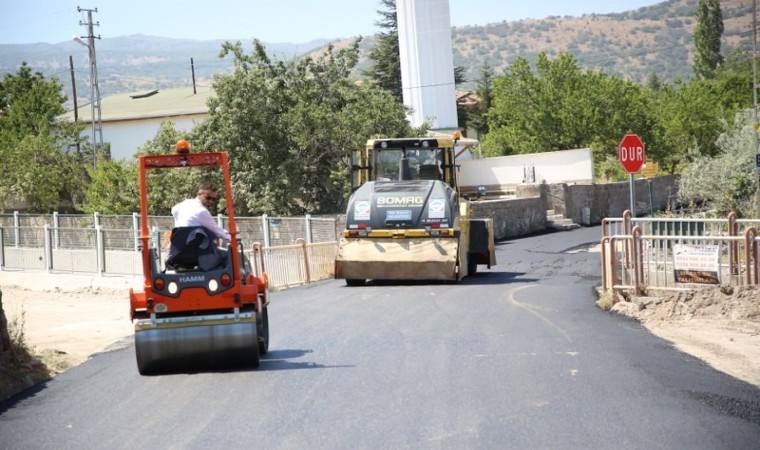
x: 292, y: 250
x: 649, y: 254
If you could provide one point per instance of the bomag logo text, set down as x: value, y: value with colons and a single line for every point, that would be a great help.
x: 400, y: 201
x: 192, y: 279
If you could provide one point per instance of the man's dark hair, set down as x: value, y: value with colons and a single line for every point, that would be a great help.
x: 207, y: 186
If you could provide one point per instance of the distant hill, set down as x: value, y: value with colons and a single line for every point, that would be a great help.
x: 654, y: 39
x: 135, y: 63
x: 634, y: 44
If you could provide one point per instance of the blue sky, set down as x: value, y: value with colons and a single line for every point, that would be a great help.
x: 296, y: 21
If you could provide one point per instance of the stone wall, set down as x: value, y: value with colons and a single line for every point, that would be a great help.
x: 513, y: 217
x: 585, y: 204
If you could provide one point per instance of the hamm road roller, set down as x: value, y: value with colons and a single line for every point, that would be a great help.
x: 203, y: 308
x: 406, y: 219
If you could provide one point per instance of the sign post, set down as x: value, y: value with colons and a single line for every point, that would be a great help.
x: 631, y: 155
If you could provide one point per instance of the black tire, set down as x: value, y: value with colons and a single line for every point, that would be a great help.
x: 262, y: 329
x: 354, y: 282
x: 472, y: 267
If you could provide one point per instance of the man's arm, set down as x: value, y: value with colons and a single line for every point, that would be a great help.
x: 207, y: 221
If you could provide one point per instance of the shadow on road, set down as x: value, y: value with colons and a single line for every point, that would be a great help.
x: 480, y: 278
x: 279, y: 360
x: 485, y: 278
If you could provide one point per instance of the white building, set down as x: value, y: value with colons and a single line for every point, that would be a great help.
x: 129, y: 120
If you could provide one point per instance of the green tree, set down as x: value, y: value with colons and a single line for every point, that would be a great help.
x: 113, y: 188
x: 289, y: 127
x: 726, y: 182
x: 36, y: 174
x: 385, y: 69
x: 28, y: 103
x: 484, y: 92
x: 707, y: 36
x: 560, y: 107
x: 689, y: 116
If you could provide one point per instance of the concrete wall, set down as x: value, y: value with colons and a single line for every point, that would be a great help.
x: 612, y: 199
x: 567, y: 166
x: 526, y: 214
x: 513, y: 217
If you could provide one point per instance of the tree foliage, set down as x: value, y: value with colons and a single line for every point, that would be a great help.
x: 289, y: 127
x: 478, y: 118
x: 35, y: 173
x: 112, y: 188
x: 725, y: 182
x: 707, y: 36
x: 560, y: 107
x: 385, y: 69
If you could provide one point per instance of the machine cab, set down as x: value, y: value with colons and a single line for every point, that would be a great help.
x: 404, y: 159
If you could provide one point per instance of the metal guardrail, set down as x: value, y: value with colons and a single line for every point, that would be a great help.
x: 643, y: 255
x: 115, y: 251
x: 293, y: 265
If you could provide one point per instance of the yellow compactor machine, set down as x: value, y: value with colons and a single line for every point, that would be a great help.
x: 406, y: 219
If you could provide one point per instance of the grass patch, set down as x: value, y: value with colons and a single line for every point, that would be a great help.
x: 607, y: 300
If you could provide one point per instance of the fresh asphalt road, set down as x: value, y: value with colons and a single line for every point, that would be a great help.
x: 515, y: 357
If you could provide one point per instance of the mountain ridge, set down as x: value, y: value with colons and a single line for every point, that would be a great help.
x: 633, y: 44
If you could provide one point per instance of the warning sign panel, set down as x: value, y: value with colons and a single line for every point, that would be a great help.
x: 696, y: 263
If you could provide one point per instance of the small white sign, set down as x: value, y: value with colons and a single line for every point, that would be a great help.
x: 696, y: 263
x: 437, y: 208
x: 361, y: 210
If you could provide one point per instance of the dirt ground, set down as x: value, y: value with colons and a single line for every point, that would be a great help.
x: 67, y: 318
x: 720, y: 325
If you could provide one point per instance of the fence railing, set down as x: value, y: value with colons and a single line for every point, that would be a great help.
x: 652, y: 254
x: 96, y: 248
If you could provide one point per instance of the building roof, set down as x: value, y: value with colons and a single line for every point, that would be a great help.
x: 159, y: 103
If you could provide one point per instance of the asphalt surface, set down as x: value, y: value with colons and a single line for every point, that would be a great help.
x: 517, y: 356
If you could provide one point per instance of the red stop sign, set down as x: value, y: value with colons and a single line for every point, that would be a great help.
x: 631, y: 153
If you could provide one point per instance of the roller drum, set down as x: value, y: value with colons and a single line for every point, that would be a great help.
x: 194, y: 346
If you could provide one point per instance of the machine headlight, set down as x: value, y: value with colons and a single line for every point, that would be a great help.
x: 213, y: 285
x: 173, y: 287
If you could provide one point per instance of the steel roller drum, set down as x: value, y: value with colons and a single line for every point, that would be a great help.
x: 195, y: 343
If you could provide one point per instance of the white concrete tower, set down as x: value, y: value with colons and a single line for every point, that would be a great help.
x: 427, y: 62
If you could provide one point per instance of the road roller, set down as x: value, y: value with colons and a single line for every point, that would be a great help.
x: 406, y: 218
x: 201, y: 307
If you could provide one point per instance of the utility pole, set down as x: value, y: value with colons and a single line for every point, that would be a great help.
x: 97, y: 123
x: 74, y: 96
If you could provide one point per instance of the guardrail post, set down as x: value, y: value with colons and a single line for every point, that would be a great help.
x: 638, y: 259
x: 100, y: 251
x: 265, y: 229
x: 308, y: 229
x: 2, y: 250
x: 56, y: 226
x: 258, y: 259
x: 751, y: 255
x: 627, y: 231
x: 136, y: 230
x: 733, y: 247
x: 16, y: 229
x: 302, y: 243
x: 48, y: 250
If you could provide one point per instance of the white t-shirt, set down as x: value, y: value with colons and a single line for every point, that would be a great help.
x: 191, y: 213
